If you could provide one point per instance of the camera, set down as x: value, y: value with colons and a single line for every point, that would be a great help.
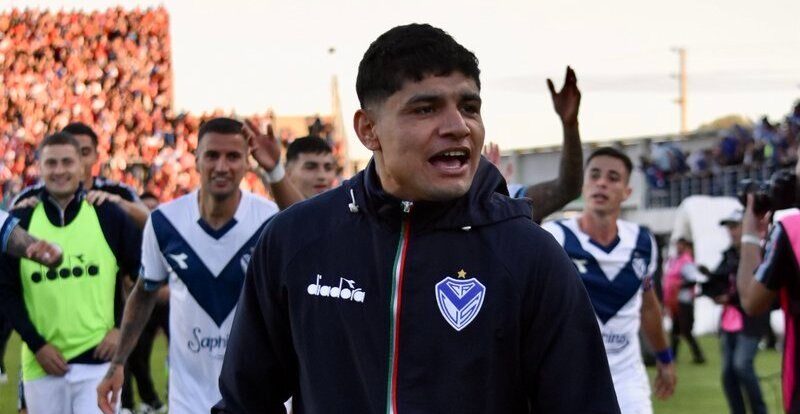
x: 777, y: 193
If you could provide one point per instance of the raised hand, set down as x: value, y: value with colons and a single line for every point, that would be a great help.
x: 492, y: 153
x: 25, y: 203
x: 567, y: 101
x: 265, y: 148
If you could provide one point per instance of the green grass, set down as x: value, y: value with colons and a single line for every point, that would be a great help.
x: 8, y: 391
x: 699, y: 389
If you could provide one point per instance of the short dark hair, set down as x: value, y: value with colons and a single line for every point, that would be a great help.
x: 307, y: 145
x: 410, y: 52
x: 148, y: 194
x: 613, y: 153
x: 79, y: 128
x: 60, y: 138
x: 219, y: 125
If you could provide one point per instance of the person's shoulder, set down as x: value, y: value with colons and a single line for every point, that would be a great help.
x: 180, y: 205
x: 316, y: 215
x: 110, y: 212
x: 28, y: 192
x: 523, y: 236
x: 115, y: 187
x: 259, y: 207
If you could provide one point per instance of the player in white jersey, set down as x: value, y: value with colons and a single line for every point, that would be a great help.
x: 616, y: 260
x: 201, y: 245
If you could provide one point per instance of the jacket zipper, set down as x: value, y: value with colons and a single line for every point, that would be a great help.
x: 61, y: 211
x: 396, y: 304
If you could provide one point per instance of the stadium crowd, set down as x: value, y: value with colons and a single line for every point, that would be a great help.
x: 763, y: 144
x: 112, y: 70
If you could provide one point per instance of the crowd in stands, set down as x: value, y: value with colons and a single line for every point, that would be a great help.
x: 109, y: 69
x: 765, y: 143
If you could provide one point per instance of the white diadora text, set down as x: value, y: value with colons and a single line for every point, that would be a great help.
x: 345, y: 291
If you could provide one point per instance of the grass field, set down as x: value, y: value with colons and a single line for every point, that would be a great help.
x: 699, y: 390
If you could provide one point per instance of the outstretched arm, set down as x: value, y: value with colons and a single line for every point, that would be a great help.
x: 754, y: 296
x: 654, y: 332
x: 137, y: 312
x: 550, y: 196
x: 22, y: 244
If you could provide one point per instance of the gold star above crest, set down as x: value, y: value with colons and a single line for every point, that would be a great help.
x: 462, y: 274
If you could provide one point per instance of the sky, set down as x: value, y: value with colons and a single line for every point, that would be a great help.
x: 249, y: 55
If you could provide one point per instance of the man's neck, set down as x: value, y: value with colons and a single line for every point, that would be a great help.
x: 601, y: 228
x: 217, y: 212
x: 88, y: 183
x: 63, y: 202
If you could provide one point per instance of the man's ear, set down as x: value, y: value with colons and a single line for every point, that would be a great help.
x: 364, y: 124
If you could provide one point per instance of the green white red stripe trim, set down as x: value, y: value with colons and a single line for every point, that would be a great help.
x: 394, y: 316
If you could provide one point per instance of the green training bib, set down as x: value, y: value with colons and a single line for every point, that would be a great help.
x: 72, y: 306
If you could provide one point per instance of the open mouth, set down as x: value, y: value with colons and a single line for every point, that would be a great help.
x: 450, y: 160
x: 600, y: 197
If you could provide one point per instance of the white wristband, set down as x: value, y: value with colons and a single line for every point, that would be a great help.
x: 276, y: 174
x: 751, y: 239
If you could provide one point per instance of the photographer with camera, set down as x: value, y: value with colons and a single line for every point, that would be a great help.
x: 739, y: 332
x: 759, y: 283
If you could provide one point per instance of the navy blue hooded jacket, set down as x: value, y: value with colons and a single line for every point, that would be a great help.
x: 357, y: 302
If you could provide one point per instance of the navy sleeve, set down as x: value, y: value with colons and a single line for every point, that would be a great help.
x: 12, y: 305
x: 7, y: 224
x: 564, y: 361
x: 122, y: 235
x: 260, y: 367
x: 779, y: 261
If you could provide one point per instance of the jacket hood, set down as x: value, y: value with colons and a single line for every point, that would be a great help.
x: 485, y: 203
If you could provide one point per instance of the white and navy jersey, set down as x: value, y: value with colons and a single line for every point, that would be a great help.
x: 205, y: 269
x: 615, y: 277
x: 7, y: 224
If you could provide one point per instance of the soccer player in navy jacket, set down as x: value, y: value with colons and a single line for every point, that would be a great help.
x: 418, y: 286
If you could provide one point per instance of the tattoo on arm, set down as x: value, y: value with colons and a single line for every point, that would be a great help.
x: 550, y: 196
x: 137, y: 312
x: 19, y: 242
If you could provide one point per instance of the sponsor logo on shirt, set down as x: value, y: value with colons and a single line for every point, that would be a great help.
x: 180, y: 260
x: 212, y: 344
x: 580, y: 264
x: 73, y: 266
x: 615, y: 342
x: 346, y: 290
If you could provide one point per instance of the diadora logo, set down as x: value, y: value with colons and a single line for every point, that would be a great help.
x: 244, y: 261
x: 348, y: 292
x: 72, y: 266
x: 180, y: 260
x: 580, y: 264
